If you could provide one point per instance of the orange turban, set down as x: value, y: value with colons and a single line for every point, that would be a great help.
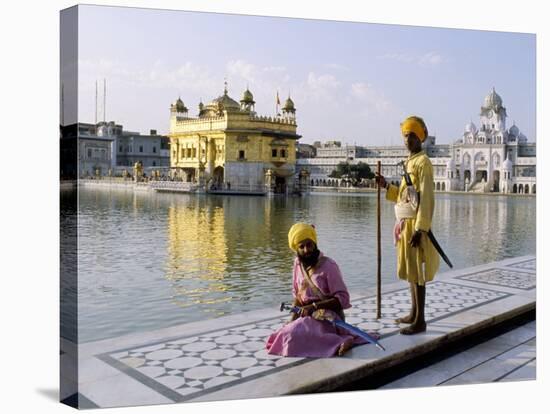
x: 416, y: 125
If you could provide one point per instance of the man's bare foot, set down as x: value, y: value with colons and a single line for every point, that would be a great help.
x: 405, y: 319
x: 345, y: 347
x: 414, y: 328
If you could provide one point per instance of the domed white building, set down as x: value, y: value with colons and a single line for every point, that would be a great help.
x: 489, y: 158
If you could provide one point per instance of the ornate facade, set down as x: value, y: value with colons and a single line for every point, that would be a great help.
x: 492, y: 158
x: 228, y: 146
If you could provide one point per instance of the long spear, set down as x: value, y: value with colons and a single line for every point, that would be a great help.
x: 379, y: 253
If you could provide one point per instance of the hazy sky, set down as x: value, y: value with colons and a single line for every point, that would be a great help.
x: 354, y: 82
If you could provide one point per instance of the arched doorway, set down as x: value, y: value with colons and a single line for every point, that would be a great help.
x: 187, y: 174
x: 534, y: 189
x: 515, y: 188
x: 280, y: 185
x: 438, y: 187
x: 526, y: 188
x: 442, y: 186
x: 496, y: 181
x: 468, y: 175
x: 481, y: 175
x: 218, y: 178
x: 520, y: 189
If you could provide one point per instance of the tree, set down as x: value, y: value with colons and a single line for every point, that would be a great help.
x: 354, y: 172
x: 363, y: 171
x: 343, y: 168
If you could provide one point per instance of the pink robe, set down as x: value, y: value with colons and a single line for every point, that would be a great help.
x: 308, y: 337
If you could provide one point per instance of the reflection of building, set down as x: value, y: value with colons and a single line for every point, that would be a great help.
x: 229, y: 146
x: 489, y: 159
x: 197, y: 252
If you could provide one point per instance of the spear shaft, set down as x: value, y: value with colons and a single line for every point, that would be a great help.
x: 379, y: 252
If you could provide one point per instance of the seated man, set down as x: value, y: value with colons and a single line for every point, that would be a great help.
x: 317, y: 287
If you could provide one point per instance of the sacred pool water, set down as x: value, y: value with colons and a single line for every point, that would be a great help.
x: 149, y: 260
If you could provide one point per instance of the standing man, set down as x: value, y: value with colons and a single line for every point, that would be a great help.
x: 417, y: 258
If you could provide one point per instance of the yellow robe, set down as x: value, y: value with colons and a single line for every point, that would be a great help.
x: 417, y: 265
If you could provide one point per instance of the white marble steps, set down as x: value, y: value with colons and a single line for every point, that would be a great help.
x: 510, y: 356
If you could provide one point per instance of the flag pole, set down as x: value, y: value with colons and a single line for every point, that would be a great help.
x: 379, y: 252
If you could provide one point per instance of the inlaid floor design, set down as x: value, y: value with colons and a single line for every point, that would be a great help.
x: 502, y: 277
x: 530, y: 264
x: 190, y: 366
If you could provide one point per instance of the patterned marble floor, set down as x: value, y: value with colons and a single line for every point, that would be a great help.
x: 503, y: 277
x: 191, y: 366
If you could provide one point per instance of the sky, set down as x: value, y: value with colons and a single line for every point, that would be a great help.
x: 353, y: 82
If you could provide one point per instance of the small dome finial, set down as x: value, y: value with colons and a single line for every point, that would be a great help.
x: 225, y: 86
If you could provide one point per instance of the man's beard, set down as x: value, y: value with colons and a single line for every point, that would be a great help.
x: 310, y: 259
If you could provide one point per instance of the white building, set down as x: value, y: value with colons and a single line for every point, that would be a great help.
x: 94, y: 151
x: 488, y: 158
x: 106, y: 146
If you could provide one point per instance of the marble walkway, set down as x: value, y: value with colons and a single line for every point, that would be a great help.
x: 510, y: 356
x: 224, y: 358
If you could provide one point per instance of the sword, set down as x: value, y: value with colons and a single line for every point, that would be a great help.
x: 439, y: 249
x: 430, y: 234
x: 340, y: 323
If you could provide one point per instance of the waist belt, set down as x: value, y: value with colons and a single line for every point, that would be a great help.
x: 404, y: 211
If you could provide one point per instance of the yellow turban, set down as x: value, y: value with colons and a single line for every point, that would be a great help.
x: 299, y: 232
x: 414, y: 124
